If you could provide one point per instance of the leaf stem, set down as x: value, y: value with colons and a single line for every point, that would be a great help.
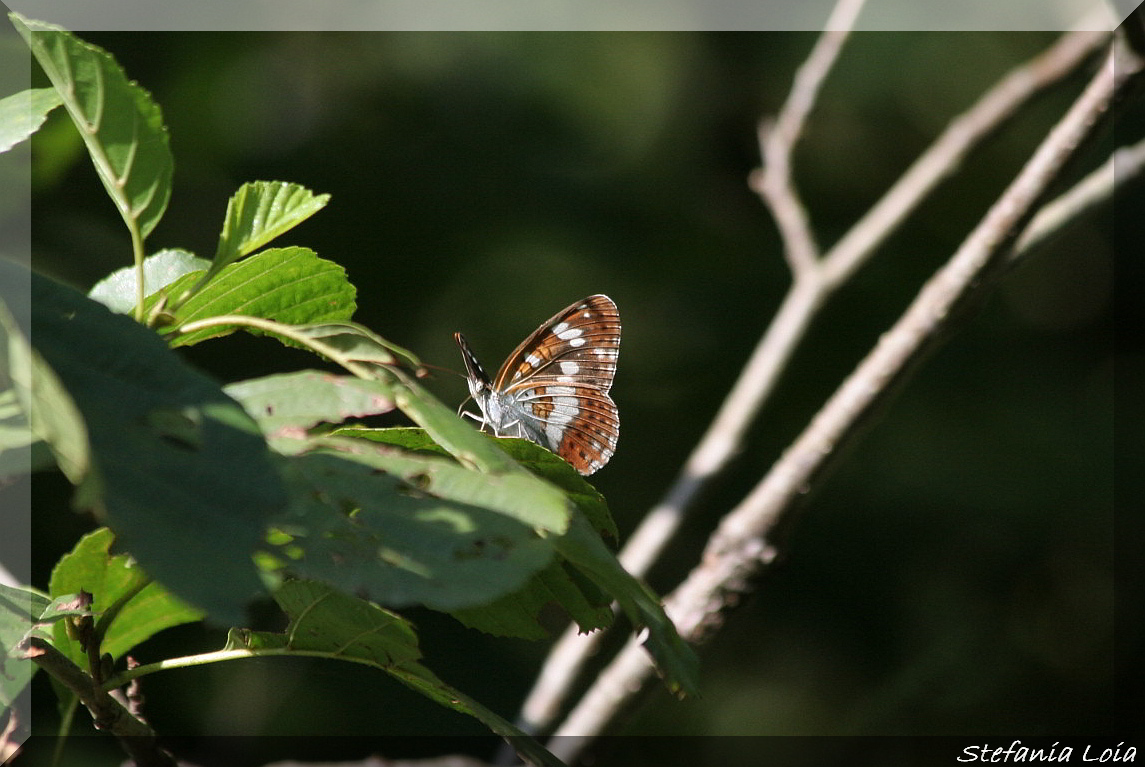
x: 286, y: 331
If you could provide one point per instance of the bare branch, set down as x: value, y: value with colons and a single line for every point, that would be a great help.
x: 811, y: 288
x: 947, y: 154
x: 741, y: 546
x: 777, y: 139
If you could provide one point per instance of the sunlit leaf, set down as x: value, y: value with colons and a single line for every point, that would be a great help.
x: 260, y: 211
x: 91, y: 567
x: 297, y: 401
x: 121, y: 125
x: 22, y: 114
x: 118, y: 292
x: 289, y: 285
x: 368, y: 532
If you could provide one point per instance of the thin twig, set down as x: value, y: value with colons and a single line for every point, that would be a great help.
x: 774, y: 182
x: 946, y: 155
x: 109, y: 714
x: 759, y: 376
x: 741, y: 545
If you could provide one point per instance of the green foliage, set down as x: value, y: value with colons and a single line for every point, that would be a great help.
x: 118, y: 290
x: 22, y: 610
x: 122, y: 127
x: 260, y: 211
x: 143, y: 607
x: 177, y: 468
x: 21, y: 114
x: 327, y: 623
x: 199, y: 483
x: 35, y: 407
x: 288, y: 285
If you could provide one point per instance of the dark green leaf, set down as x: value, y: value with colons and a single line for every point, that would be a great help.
x: 326, y: 622
x: 91, y: 567
x: 179, y: 470
x: 518, y: 496
x: 291, y: 402
x: 36, y: 406
x: 260, y: 211
x: 675, y: 659
x: 122, y: 127
x: 543, y: 606
x: 22, y: 114
x: 369, y: 532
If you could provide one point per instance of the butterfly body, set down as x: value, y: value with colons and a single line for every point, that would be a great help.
x: 553, y: 389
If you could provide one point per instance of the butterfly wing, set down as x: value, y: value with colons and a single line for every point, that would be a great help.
x: 559, y: 378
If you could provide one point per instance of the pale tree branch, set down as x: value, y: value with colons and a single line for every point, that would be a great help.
x: 810, y: 288
x: 744, y: 541
x: 774, y: 182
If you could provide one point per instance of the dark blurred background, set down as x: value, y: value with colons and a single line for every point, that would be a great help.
x: 953, y: 576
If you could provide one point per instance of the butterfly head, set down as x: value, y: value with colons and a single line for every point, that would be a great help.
x: 477, y: 378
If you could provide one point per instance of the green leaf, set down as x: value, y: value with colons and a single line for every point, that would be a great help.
x: 557, y: 471
x: 555, y: 594
x: 36, y: 405
x: 179, y: 470
x: 288, y: 285
x: 358, y: 343
x: 122, y: 127
x: 117, y: 290
x: 521, y: 497
x: 458, y: 438
x: 326, y: 623
x: 21, y: 609
x: 543, y: 606
x: 289, y: 403
x: 365, y: 531
x: 674, y: 658
x: 260, y: 211
x: 91, y: 567
x: 22, y: 114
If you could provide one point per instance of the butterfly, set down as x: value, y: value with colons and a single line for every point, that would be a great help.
x: 553, y: 388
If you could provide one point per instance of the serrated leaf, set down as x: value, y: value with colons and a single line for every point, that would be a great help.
x: 325, y: 622
x: 91, y: 567
x: 369, y: 532
x: 117, y: 119
x: 260, y: 211
x: 22, y: 114
x: 117, y: 291
x: 293, y: 402
x: 179, y: 470
x: 538, y: 460
x: 288, y: 285
x: 456, y: 437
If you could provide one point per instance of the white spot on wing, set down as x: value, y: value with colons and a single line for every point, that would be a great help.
x: 570, y: 368
x: 566, y: 333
